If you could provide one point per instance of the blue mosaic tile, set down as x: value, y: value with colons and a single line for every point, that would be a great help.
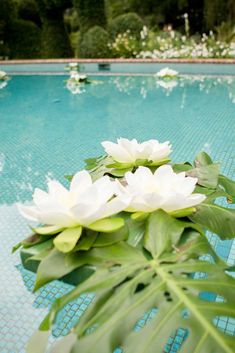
x: 46, y: 133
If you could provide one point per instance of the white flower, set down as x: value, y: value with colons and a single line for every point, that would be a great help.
x: 162, y: 189
x: 73, y: 65
x: 129, y: 151
x: 166, y: 72
x: 84, y: 203
x: 3, y: 75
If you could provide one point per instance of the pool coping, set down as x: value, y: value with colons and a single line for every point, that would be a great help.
x: 132, y: 61
x: 121, y: 66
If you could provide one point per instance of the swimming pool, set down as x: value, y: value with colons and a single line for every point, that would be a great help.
x: 46, y: 132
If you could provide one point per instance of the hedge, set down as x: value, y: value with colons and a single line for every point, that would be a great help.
x: 130, y: 21
x: 23, y: 39
x: 95, y: 43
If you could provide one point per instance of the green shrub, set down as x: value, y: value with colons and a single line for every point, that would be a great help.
x: 91, y: 13
x: 130, y: 22
x: 55, y: 41
x: 24, y: 39
x: 95, y: 43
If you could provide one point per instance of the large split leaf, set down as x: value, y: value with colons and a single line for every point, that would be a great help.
x: 217, y: 219
x: 128, y: 283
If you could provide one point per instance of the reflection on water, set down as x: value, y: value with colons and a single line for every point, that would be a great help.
x: 202, y: 83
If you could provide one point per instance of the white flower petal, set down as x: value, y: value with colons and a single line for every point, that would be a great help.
x: 164, y: 189
x: 29, y: 212
x: 55, y: 188
x: 81, y: 181
x: 117, y: 152
x: 56, y: 218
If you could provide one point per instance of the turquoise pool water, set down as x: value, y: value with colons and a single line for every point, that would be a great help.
x: 46, y: 132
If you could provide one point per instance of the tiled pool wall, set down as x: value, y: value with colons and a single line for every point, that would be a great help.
x: 198, y: 67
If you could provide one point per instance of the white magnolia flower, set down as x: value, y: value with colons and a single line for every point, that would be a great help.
x: 166, y: 72
x: 3, y: 75
x: 73, y: 65
x: 129, y: 151
x: 84, y: 203
x: 162, y: 189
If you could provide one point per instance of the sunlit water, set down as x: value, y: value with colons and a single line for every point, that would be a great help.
x: 47, y: 132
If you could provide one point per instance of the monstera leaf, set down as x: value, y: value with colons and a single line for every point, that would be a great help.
x: 171, y: 274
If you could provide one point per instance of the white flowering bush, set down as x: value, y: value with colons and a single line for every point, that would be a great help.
x: 125, y: 45
x: 132, y: 228
x: 170, y: 45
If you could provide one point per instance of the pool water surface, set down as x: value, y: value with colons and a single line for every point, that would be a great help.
x: 46, y: 132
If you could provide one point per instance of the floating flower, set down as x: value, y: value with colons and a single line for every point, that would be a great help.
x: 162, y: 189
x: 3, y: 76
x: 167, y: 73
x: 82, y: 205
x: 130, y: 151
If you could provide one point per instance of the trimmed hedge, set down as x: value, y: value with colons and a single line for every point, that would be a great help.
x: 130, y: 21
x: 95, y: 43
x: 23, y: 39
x: 91, y: 13
x: 55, y: 41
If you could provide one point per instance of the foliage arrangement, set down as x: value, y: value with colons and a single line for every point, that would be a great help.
x: 75, y: 83
x: 133, y: 224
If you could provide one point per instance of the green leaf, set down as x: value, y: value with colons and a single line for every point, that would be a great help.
x: 162, y: 231
x: 48, y: 230
x: 203, y: 159
x: 118, y: 165
x: 16, y: 247
x: 107, y: 225
x: 87, y: 240
x: 158, y: 163
x: 57, y: 265
x: 33, y: 240
x: 67, y: 240
x: 182, y: 213
x: 167, y: 286
x: 119, y: 172
x: 216, y: 219
x: 69, y: 177
x: 184, y: 167
x: 227, y: 184
x: 207, y: 175
x: 105, y: 239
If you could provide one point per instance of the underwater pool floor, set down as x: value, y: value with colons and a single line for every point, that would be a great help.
x: 47, y: 132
